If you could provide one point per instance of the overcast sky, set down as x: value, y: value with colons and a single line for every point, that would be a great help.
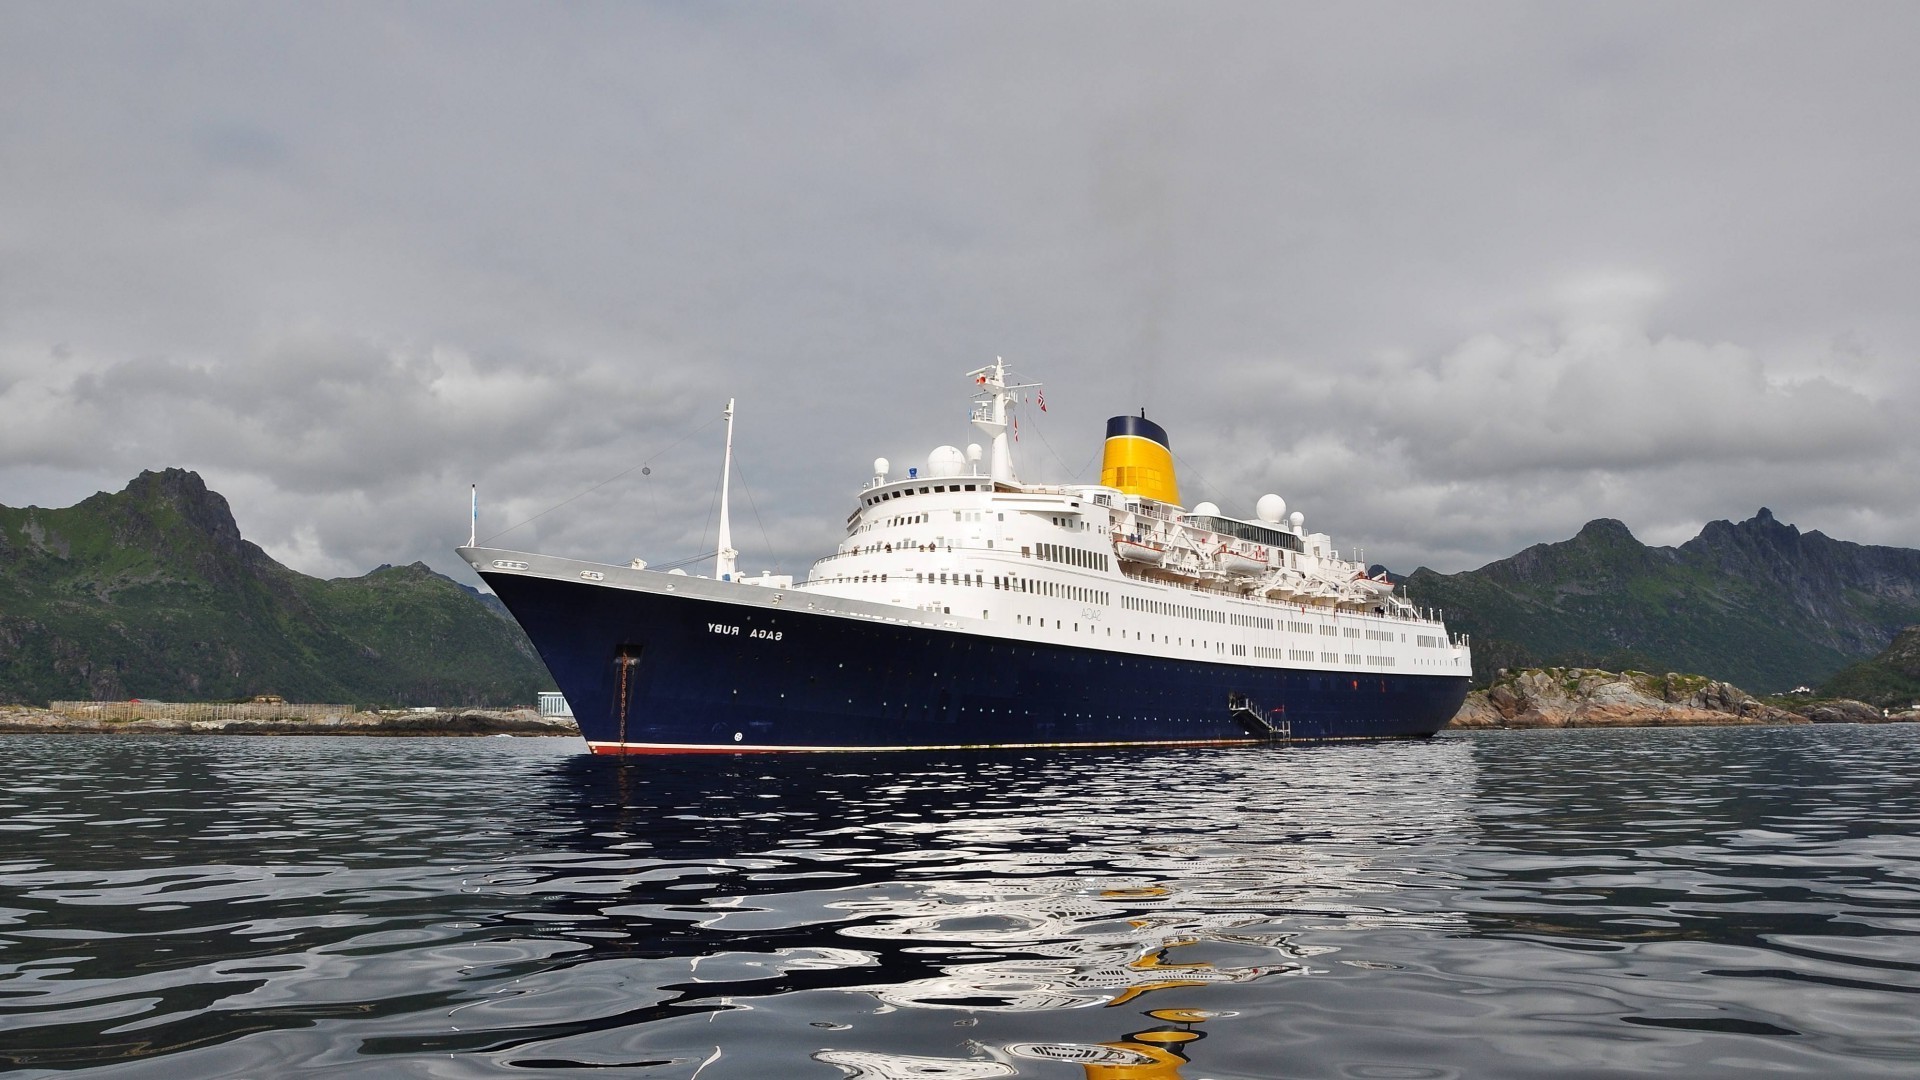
x: 1452, y: 279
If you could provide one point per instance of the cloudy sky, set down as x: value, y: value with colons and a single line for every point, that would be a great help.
x: 1453, y: 279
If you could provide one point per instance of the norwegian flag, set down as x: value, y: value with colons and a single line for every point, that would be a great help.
x: 1042, y: 400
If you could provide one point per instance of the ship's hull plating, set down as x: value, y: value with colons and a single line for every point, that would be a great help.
x: 647, y: 672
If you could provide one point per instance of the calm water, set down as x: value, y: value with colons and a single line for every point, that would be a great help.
x: 1700, y: 903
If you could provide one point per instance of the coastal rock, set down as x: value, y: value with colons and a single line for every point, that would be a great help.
x: 1589, y: 697
x: 1477, y: 714
x: 1843, y: 711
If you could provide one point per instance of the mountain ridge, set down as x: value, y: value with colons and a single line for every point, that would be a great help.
x: 153, y: 592
x: 1756, y: 603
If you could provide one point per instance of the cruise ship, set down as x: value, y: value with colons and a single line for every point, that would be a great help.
x: 966, y: 609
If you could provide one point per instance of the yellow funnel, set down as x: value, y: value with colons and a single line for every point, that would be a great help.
x: 1138, y: 460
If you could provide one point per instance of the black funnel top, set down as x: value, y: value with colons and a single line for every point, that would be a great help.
x: 1140, y: 426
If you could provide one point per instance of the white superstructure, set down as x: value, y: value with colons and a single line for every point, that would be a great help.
x: 1099, y: 567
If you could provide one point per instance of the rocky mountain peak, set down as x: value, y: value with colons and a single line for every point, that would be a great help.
x: 183, y: 493
x: 1597, y: 556
x: 1608, y: 530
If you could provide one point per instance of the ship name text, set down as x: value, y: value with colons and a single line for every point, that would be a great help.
x: 728, y: 630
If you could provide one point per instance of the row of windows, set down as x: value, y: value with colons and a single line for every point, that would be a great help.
x: 1054, y: 588
x: 1427, y: 641
x: 958, y: 579
x: 1072, y: 556
x: 1350, y: 631
x: 935, y: 489
x: 1380, y: 635
x: 1254, y: 622
x: 862, y: 578
x: 1381, y: 661
x: 1181, y: 611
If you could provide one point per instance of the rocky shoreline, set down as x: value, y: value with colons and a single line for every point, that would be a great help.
x: 1589, y: 697
x: 23, y: 719
x: 1528, y: 698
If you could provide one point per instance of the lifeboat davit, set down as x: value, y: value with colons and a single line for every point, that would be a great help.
x: 1287, y: 587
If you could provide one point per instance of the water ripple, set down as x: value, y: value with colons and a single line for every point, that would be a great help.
x: 1710, y: 902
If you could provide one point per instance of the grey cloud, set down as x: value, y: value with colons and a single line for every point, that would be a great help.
x: 347, y: 260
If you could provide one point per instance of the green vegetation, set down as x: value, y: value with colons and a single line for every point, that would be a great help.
x: 1889, y: 681
x: 152, y: 592
x: 1757, y: 604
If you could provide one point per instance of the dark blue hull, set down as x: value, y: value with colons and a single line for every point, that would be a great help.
x: 649, y: 673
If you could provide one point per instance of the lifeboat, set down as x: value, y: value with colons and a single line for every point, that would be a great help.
x: 1243, y: 561
x: 1373, y: 586
x: 1134, y: 549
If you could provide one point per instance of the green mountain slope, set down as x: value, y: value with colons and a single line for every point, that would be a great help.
x: 152, y: 592
x: 1758, y: 603
x: 1890, y: 680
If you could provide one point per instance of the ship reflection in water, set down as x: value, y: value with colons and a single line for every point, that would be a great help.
x: 1715, y: 903
x: 1070, y: 909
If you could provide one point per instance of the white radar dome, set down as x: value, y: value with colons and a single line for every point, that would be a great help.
x: 946, y: 461
x: 974, y: 452
x: 1297, y: 519
x: 1207, y: 509
x: 1271, y: 509
x: 677, y: 572
x: 880, y: 465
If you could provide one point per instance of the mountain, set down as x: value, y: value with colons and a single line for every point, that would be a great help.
x: 153, y: 593
x: 1890, y: 680
x: 1758, y: 603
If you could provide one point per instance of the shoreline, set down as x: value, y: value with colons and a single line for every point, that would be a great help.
x: 1532, y: 698
x: 1525, y: 700
x: 32, y: 720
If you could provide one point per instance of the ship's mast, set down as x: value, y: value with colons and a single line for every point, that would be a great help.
x: 723, y: 561
x: 992, y: 399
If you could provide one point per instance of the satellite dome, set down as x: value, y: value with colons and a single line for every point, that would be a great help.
x: 880, y: 466
x: 677, y: 572
x: 1207, y: 509
x: 1297, y: 519
x: 1271, y: 509
x: 974, y: 452
x: 946, y: 461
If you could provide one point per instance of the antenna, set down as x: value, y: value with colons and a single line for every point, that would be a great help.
x: 473, y: 538
x: 991, y: 414
x: 723, y: 564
